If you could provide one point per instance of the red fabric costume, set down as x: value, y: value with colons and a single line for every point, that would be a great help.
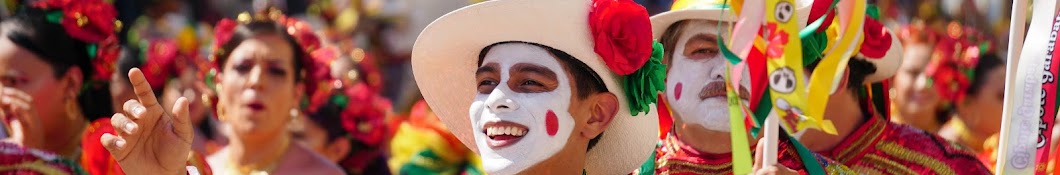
x: 881, y: 147
x: 674, y: 157
x: 15, y: 159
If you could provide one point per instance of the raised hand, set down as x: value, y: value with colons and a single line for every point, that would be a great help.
x: 16, y: 110
x: 150, y: 140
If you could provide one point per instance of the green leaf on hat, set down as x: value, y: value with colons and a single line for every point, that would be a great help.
x: 643, y: 85
x: 873, y: 11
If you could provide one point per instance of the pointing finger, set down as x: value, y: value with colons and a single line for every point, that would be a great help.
x: 144, y: 93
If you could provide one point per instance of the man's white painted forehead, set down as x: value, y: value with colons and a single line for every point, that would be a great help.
x: 509, y: 54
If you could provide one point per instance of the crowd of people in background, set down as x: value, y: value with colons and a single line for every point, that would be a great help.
x: 327, y: 86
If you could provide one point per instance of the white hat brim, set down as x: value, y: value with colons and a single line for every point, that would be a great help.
x: 444, y: 60
x: 663, y: 21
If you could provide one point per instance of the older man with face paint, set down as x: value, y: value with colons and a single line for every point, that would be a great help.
x: 865, y: 141
x: 536, y: 86
x: 700, y: 142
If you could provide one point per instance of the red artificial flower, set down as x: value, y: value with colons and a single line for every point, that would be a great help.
x: 159, y: 61
x: 318, y: 79
x: 223, y: 32
x: 777, y: 40
x: 303, y: 33
x: 364, y: 114
x: 877, y: 39
x: 325, y: 55
x: 90, y: 21
x: 948, y: 68
x: 104, y: 63
x: 621, y: 34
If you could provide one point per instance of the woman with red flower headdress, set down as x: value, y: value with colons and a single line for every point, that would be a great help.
x: 346, y: 127
x: 969, y: 76
x: 262, y: 69
x: 55, y: 59
x: 916, y: 103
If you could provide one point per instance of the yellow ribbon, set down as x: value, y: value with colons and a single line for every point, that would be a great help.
x: 824, y: 79
x: 786, y: 79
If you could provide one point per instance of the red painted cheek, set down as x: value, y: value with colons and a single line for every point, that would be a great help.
x: 551, y: 123
x: 677, y: 91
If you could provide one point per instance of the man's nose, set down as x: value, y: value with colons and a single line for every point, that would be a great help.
x: 499, y: 100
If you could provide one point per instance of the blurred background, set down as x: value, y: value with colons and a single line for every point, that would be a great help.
x: 374, y: 40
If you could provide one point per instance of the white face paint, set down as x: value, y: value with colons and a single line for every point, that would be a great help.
x: 689, y: 88
x: 525, y: 113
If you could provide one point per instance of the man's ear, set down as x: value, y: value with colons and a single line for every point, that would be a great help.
x: 602, y: 111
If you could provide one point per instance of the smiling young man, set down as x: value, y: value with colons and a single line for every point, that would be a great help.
x: 536, y: 86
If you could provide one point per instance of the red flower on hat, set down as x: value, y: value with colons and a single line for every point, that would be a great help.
x: 877, y: 39
x: 90, y: 21
x: 621, y: 34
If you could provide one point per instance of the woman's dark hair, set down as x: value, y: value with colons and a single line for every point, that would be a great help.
x: 986, y: 64
x: 328, y: 118
x: 246, y: 31
x: 586, y: 81
x: 29, y: 29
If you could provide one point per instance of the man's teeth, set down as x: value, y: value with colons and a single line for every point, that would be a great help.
x: 512, y: 131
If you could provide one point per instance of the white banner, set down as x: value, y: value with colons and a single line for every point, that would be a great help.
x: 1024, y: 97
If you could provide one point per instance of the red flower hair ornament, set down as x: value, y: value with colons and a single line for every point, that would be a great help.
x: 622, y: 37
x: 159, y: 58
x: 93, y: 22
x: 952, y: 66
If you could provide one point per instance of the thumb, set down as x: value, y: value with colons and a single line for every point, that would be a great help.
x: 182, y: 120
x: 17, y: 131
x: 114, y: 145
